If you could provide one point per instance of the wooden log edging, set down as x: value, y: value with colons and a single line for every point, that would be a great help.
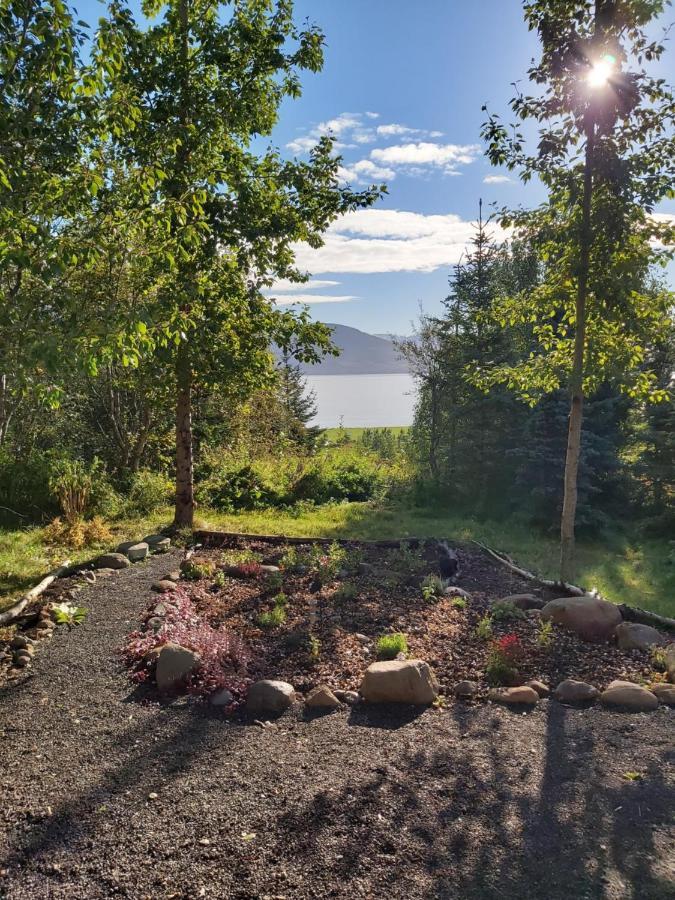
x: 15, y: 611
x: 208, y: 538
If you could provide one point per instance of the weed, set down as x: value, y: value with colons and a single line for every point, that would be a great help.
x: 194, y: 569
x: 505, y: 611
x: 545, y: 634
x: 658, y: 658
x: 314, y: 648
x: 484, y: 628
x: 220, y: 579
x: 274, y: 581
x: 633, y: 776
x: 277, y: 615
x: 390, y: 645
x: 433, y: 587
x: 459, y: 602
x: 78, y: 533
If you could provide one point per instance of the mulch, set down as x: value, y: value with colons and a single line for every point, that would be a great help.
x: 104, y: 793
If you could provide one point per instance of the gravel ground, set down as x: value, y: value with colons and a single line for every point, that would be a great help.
x: 102, y: 795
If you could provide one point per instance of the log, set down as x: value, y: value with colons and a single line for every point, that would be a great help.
x: 15, y: 611
x: 220, y: 538
x: 645, y: 617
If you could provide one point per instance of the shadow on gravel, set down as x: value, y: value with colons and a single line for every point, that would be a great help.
x: 472, y: 819
x: 384, y: 715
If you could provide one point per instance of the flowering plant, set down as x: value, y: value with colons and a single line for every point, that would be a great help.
x: 505, y: 655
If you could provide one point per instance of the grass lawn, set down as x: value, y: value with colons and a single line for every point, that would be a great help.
x: 638, y: 572
x: 332, y: 434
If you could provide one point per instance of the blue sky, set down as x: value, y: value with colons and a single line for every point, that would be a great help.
x: 402, y: 89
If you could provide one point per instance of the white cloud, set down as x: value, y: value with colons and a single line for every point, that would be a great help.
x: 291, y: 299
x: 497, y: 179
x: 302, y: 144
x: 394, y: 129
x: 382, y: 240
x: 424, y: 153
x: 365, y: 171
x: 283, y: 286
x: 372, y: 115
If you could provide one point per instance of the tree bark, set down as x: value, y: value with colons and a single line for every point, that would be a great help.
x: 578, y: 365
x: 185, y: 503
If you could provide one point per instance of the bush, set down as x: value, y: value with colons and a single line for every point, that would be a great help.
x: 78, y: 533
x: 390, y: 645
x: 148, y: 491
x: 339, y: 476
x: 505, y: 656
x: 242, y: 488
x: 505, y: 611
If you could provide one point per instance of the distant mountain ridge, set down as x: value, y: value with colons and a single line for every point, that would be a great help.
x: 361, y: 354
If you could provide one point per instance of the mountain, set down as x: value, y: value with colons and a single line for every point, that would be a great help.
x: 361, y: 354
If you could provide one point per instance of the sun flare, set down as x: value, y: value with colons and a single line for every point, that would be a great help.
x: 601, y: 71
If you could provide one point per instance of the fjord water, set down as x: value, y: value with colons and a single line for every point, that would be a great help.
x: 363, y: 401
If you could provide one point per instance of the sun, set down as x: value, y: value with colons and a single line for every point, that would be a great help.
x: 601, y: 71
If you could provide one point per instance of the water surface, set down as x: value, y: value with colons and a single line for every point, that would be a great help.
x: 363, y: 401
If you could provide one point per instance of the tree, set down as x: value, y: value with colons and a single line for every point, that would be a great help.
x: 606, y: 158
x: 189, y: 100
x: 298, y: 402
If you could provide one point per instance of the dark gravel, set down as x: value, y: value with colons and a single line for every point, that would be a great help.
x: 462, y: 802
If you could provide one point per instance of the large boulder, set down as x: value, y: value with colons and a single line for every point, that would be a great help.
x: 571, y: 691
x: 515, y: 696
x: 111, y: 561
x: 628, y: 696
x: 270, y: 696
x: 174, y: 664
x: 634, y: 636
x: 591, y: 618
x: 664, y: 693
x: 669, y: 654
x: 399, y: 681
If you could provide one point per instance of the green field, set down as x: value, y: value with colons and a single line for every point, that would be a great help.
x: 639, y: 572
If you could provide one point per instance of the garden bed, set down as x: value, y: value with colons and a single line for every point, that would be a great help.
x: 319, y: 618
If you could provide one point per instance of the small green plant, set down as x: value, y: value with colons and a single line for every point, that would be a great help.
x: 314, y: 648
x: 274, y: 581
x: 403, y: 559
x: 459, y: 602
x: 195, y: 569
x: 633, y: 776
x: 433, y: 586
x: 347, y: 591
x: 277, y: 615
x: 390, y: 645
x: 658, y: 658
x: 505, y: 611
x: 220, y: 579
x: 68, y: 614
x: 238, y: 557
x: 545, y: 634
x: 484, y: 628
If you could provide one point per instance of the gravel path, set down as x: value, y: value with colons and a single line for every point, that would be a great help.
x: 454, y: 803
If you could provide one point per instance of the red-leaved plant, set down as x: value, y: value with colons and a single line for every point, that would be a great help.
x: 223, y: 655
x: 506, y: 653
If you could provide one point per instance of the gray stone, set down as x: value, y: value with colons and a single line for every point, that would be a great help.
x: 515, y: 696
x: 163, y: 609
x: 322, y: 697
x: 154, y: 623
x: 629, y: 696
x: 158, y: 543
x: 399, y: 681
x: 542, y: 689
x: 111, y: 561
x: 362, y: 638
x: 173, y: 576
x: 270, y: 696
x: 104, y: 573
x: 591, y: 618
x: 571, y: 691
x: 174, y: 664
x: 21, y: 659
x: 466, y: 690
x: 634, y: 636
x: 138, y: 551
x: 664, y: 693
x: 164, y: 586
x: 350, y: 697
x: 269, y: 570
x: 20, y: 642
x: 669, y: 655
x: 524, y: 601
x: 222, y: 697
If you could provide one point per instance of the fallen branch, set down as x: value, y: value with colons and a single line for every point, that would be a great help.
x: 530, y: 576
x: 645, y: 617
x: 220, y: 538
x: 15, y: 611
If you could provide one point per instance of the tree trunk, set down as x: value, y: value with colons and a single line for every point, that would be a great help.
x: 185, y: 503
x: 577, y: 375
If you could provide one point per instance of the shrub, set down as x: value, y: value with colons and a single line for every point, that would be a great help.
x: 242, y: 488
x: 390, y: 645
x: 339, y: 476
x: 148, y: 491
x: 223, y: 655
x: 484, y: 628
x: 77, y: 534
x: 505, y: 611
x: 459, y: 602
x: 658, y: 657
x: 505, y: 656
x: 196, y: 568
x: 545, y: 634
x: 433, y: 586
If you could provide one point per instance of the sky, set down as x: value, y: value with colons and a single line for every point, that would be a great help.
x: 402, y: 89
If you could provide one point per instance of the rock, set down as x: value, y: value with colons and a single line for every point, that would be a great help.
x: 524, y: 601
x: 135, y: 551
x: 629, y: 696
x: 269, y: 570
x: 669, y: 655
x: 20, y: 642
x: 172, y: 576
x: 104, y: 573
x: 571, y: 691
x: 157, y: 543
x: 349, y: 697
x: 322, y: 697
x: 515, y: 696
x: 633, y: 636
x: 174, y: 663
x: 591, y: 618
x: 362, y: 638
x: 222, y: 697
x: 664, y: 693
x: 399, y: 681
x: 163, y: 609
x: 466, y: 690
x: 164, y: 586
x: 111, y: 561
x: 533, y: 614
x: 542, y: 689
x: 21, y: 659
x: 154, y: 623
x: 270, y: 696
